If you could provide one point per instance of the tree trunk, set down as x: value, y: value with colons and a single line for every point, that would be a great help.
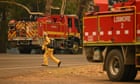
x: 48, y: 7
x: 3, y: 33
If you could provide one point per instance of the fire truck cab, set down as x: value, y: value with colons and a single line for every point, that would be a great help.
x: 112, y: 35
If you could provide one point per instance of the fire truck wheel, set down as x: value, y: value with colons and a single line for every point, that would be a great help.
x: 75, y: 48
x: 116, y: 69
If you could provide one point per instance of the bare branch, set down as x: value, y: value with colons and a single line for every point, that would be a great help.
x: 23, y: 6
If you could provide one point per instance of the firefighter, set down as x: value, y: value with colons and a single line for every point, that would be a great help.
x: 48, y: 51
x: 12, y: 24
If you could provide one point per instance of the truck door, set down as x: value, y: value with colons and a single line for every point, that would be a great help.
x: 118, y: 27
x: 69, y: 25
x: 73, y: 26
x: 76, y: 25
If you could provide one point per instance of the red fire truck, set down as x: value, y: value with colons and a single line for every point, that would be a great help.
x: 63, y: 30
x: 112, y: 36
x: 23, y: 34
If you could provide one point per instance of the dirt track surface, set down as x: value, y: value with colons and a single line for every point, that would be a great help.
x: 86, y: 74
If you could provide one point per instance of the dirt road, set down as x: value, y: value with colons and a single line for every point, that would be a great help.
x: 26, y: 69
x: 86, y: 74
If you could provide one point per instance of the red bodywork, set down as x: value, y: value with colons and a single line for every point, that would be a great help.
x: 57, y: 26
x: 118, y: 26
x: 102, y: 4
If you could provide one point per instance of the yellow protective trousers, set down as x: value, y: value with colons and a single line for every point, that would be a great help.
x: 49, y: 53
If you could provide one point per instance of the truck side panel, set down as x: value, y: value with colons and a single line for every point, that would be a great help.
x: 120, y: 28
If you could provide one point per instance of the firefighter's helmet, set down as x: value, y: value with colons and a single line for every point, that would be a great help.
x: 45, y: 34
x: 12, y: 22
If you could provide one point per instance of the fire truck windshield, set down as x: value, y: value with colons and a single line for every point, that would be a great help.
x: 70, y: 22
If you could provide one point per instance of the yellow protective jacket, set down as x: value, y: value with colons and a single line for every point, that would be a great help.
x: 45, y: 43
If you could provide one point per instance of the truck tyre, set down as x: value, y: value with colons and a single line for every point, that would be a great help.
x: 116, y: 69
x: 131, y: 74
x: 75, y: 48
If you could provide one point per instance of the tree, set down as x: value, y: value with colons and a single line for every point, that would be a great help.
x: 48, y: 7
x: 16, y: 12
x: 3, y: 30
